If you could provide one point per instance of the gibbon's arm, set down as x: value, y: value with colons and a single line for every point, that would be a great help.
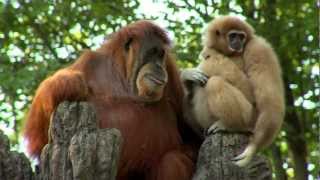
x: 265, y: 76
x: 216, y: 64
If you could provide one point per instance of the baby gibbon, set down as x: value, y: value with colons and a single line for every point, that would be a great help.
x: 244, y: 88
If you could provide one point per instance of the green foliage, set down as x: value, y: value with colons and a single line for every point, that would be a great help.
x: 39, y: 37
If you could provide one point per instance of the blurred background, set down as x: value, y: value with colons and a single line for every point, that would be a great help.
x: 38, y: 37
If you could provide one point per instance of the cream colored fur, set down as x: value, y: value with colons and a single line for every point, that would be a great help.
x: 243, y: 92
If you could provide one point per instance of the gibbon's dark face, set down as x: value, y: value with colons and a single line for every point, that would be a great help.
x: 236, y: 40
x: 229, y: 35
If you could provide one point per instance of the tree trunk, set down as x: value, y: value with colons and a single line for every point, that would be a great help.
x: 216, y: 152
x: 77, y: 148
x: 280, y: 172
x: 13, y: 165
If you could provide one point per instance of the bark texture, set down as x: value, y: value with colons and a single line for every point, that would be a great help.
x: 13, y: 165
x: 77, y: 148
x: 216, y: 152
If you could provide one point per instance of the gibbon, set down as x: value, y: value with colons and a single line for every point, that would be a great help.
x: 244, y: 88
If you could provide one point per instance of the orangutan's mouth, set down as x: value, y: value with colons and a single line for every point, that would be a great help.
x: 155, y: 79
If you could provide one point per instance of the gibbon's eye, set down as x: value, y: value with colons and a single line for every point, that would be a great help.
x: 233, y: 35
x: 217, y: 32
x: 127, y: 44
x: 242, y: 36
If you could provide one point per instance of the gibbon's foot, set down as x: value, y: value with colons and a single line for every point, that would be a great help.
x: 245, y: 157
x: 216, y: 127
x: 254, y: 167
x: 194, y: 75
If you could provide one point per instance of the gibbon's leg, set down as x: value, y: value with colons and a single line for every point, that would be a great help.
x: 215, y: 127
x: 245, y: 157
x: 174, y: 165
x: 230, y: 107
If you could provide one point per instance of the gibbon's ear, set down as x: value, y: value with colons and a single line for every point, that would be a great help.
x: 217, y: 32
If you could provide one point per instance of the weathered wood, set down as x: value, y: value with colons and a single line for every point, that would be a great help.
x: 13, y: 165
x: 216, y: 152
x: 77, y: 148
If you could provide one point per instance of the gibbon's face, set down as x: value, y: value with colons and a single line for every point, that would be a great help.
x: 236, y: 40
x: 230, y: 42
x: 228, y: 35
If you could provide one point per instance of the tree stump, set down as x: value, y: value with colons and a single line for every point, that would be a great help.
x: 216, y: 152
x: 13, y: 165
x: 77, y: 148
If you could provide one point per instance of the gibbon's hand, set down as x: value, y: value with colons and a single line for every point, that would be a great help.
x: 195, y: 76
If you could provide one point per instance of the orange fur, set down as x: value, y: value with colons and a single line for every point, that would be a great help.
x: 154, y: 134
